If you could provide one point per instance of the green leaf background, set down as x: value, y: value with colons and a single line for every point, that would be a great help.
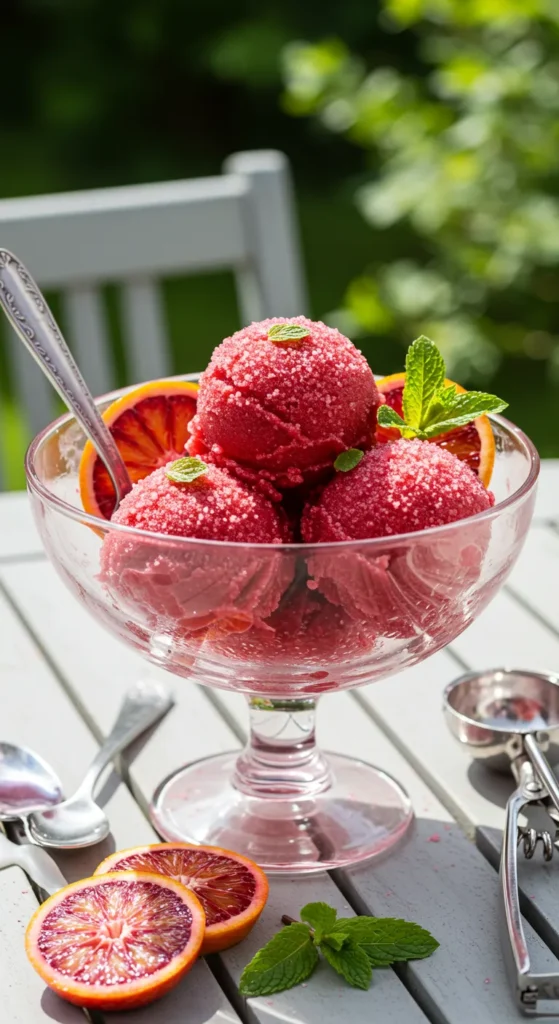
x: 406, y: 225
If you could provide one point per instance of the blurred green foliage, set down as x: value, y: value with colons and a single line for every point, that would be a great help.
x: 440, y: 117
x: 465, y: 154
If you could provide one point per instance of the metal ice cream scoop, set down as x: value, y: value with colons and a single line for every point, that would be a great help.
x: 510, y: 716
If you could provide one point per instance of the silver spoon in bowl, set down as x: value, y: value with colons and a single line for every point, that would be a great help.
x: 26, y: 308
x: 79, y: 821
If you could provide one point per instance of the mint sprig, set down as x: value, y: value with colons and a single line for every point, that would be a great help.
x: 288, y: 334
x: 351, y: 945
x: 185, y: 470
x: 431, y: 407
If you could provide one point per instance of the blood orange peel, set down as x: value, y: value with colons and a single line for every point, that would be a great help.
x: 150, y: 426
x: 231, y: 888
x: 116, y: 941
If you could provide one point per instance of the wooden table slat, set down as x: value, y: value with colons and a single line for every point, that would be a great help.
x: 23, y: 996
x: 18, y: 535
x: 547, y: 498
x: 534, y: 578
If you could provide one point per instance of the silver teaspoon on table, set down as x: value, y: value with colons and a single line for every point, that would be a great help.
x: 27, y: 310
x: 27, y: 783
x: 79, y: 821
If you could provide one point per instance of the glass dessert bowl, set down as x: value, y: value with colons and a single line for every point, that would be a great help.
x: 283, y: 624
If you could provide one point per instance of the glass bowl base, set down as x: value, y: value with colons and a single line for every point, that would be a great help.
x: 361, y: 815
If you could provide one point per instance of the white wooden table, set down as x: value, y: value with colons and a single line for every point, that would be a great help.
x: 62, y: 678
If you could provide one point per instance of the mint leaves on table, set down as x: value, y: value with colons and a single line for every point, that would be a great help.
x: 287, y: 959
x: 430, y: 406
x: 348, y: 460
x: 351, y: 945
x: 287, y: 334
x: 185, y: 470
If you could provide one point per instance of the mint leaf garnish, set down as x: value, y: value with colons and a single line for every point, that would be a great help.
x: 348, y: 460
x: 351, y: 962
x: 186, y: 470
x: 337, y: 940
x: 287, y: 959
x: 287, y: 333
x: 321, y: 918
x: 459, y: 411
x: 430, y: 406
x: 351, y: 945
x: 425, y: 376
x: 386, y: 940
x: 388, y: 417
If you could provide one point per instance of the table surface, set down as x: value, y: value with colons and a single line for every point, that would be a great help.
x: 62, y: 680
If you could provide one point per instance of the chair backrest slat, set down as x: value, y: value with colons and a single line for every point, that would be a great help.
x: 272, y: 284
x: 145, y: 329
x: 33, y: 393
x: 111, y: 234
x: 86, y: 331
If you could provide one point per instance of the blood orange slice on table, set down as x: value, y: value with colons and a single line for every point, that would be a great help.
x: 116, y: 941
x: 232, y: 889
x: 150, y: 427
x: 473, y: 444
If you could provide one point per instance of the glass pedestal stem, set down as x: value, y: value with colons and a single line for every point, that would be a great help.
x: 281, y: 757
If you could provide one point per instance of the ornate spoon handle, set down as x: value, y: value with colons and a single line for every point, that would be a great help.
x: 31, y: 318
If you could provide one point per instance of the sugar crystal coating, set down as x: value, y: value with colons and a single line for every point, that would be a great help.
x: 279, y: 414
x: 215, y: 506
x: 179, y: 588
x: 399, y: 487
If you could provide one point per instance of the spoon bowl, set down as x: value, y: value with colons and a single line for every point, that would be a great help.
x: 76, y: 823
x: 27, y: 783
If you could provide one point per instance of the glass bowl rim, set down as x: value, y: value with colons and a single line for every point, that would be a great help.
x: 370, y: 543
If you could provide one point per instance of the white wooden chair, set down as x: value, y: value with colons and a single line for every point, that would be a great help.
x: 76, y: 242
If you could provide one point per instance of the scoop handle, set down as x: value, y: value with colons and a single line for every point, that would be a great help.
x: 536, y: 994
x: 544, y: 771
x: 27, y: 310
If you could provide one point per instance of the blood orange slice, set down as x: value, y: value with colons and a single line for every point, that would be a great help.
x: 473, y: 444
x: 116, y: 941
x: 232, y: 889
x: 150, y: 427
